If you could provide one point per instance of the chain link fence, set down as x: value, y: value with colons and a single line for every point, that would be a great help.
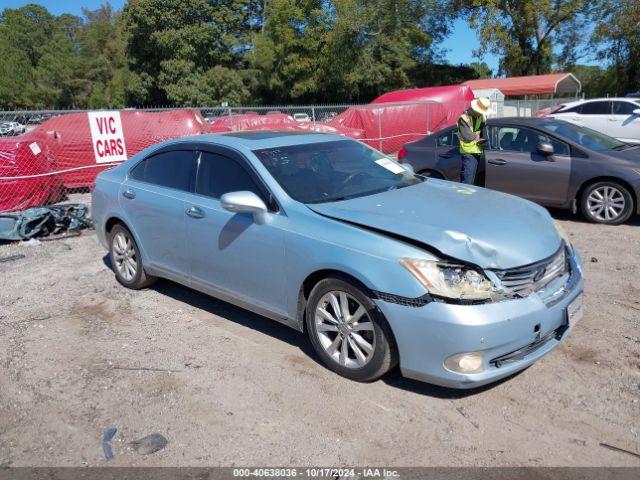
x: 45, y: 155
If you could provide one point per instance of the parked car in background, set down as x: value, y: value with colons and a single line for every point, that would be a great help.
x: 11, y: 128
x: 327, y: 116
x: 633, y: 95
x: 6, y: 129
x: 379, y: 266
x: 301, y: 117
x: 18, y: 128
x: 39, y: 118
x: 616, y: 117
x: 551, y: 162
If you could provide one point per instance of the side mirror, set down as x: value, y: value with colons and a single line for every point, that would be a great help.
x: 408, y: 167
x: 245, y: 202
x: 636, y: 111
x: 545, y: 148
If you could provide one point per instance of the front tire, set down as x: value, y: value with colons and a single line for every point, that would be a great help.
x: 126, y: 260
x: 348, y: 331
x: 607, y: 202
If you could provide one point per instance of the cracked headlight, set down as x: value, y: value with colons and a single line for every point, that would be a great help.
x: 450, y: 281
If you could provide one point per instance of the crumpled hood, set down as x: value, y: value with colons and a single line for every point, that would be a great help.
x: 484, y: 227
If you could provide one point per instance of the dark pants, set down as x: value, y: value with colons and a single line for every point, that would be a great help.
x: 469, y: 167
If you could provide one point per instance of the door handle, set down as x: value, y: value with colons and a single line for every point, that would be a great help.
x: 128, y: 193
x: 195, y: 212
x: 497, y: 161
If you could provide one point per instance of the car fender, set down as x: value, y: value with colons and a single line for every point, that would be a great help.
x: 369, y: 257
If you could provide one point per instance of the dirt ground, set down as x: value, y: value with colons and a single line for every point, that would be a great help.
x: 79, y: 354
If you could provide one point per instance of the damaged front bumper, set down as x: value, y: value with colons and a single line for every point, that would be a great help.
x: 510, y: 334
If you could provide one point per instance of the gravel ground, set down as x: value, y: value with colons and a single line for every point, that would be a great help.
x: 80, y: 354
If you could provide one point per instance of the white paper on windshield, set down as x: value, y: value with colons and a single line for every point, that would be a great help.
x: 35, y: 148
x: 391, y: 166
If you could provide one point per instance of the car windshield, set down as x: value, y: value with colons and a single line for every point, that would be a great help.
x: 584, y: 136
x: 333, y: 171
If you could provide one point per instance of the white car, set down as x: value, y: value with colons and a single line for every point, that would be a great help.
x: 18, y: 128
x: 11, y: 128
x: 6, y: 128
x: 616, y: 117
x: 301, y: 117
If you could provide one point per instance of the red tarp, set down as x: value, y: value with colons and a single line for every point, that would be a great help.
x: 277, y: 121
x: 530, y: 85
x: 75, y: 147
x: 26, y: 155
x: 446, y: 94
x: 388, y: 126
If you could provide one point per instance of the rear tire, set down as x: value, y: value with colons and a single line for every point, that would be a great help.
x: 348, y: 331
x: 607, y: 202
x: 126, y: 260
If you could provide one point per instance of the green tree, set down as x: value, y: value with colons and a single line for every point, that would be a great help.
x: 55, y: 73
x: 173, y: 44
x: 524, y: 32
x: 345, y: 50
x: 617, y: 40
x: 104, y: 79
x: 481, y: 70
x: 596, y: 81
x: 16, y: 77
x: 285, y: 54
x: 371, y: 46
x: 36, y: 68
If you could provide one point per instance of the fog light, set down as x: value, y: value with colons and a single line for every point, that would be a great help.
x: 470, y: 362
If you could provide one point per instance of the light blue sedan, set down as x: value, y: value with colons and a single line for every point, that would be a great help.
x: 459, y: 286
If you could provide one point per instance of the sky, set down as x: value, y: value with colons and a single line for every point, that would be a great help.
x: 459, y: 44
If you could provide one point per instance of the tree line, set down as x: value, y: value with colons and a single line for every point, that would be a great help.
x: 204, y: 52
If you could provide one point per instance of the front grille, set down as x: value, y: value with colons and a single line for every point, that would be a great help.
x: 531, y: 278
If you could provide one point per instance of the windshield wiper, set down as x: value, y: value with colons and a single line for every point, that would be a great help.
x: 621, y: 148
x: 347, y: 197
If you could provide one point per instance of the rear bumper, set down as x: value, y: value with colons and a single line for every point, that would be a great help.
x: 511, y: 334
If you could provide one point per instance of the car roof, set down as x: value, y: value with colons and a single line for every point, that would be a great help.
x: 586, y: 100
x: 259, y: 139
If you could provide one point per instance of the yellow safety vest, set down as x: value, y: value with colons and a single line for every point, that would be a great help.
x: 471, y: 147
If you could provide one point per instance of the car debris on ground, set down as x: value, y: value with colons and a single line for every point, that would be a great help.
x: 53, y: 222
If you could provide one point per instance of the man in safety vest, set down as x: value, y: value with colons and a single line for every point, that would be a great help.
x: 470, y: 127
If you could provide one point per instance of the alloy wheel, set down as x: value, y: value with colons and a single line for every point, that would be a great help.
x: 344, y: 329
x: 124, y: 255
x: 606, y: 203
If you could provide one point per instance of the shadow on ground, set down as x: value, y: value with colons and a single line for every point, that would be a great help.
x: 294, y: 338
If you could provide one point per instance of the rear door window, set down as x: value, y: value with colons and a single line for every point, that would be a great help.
x: 444, y: 140
x: 596, y: 108
x: 624, y: 108
x: 171, y: 169
x: 448, y: 139
x: 576, y: 109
